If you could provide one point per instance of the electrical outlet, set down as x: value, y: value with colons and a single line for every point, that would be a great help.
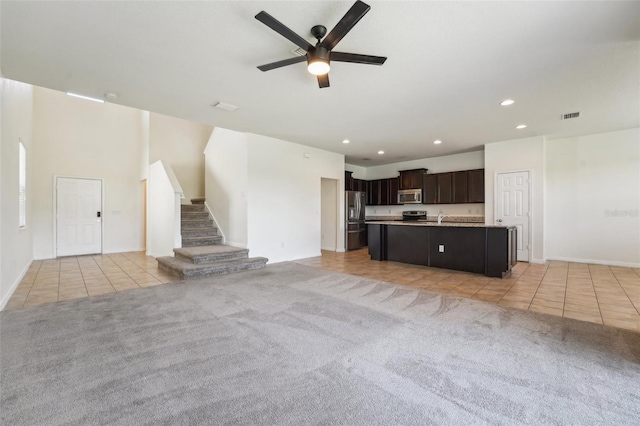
x: 389, y: 211
x: 441, y: 248
x: 375, y: 210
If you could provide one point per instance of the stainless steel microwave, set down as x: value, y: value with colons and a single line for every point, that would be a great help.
x: 410, y: 196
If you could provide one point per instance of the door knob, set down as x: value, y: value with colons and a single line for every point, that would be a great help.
x: 499, y: 220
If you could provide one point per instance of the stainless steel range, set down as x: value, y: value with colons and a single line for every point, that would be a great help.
x: 414, y: 215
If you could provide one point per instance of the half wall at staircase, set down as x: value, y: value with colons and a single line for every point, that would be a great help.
x: 265, y: 193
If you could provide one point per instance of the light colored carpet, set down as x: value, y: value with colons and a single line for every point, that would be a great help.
x: 291, y: 344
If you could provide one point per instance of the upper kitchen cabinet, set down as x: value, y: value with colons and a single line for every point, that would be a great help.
x: 430, y: 189
x: 412, y: 179
x: 459, y: 184
x: 382, y: 192
x: 359, y: 185
x: 444, y: 188
x: 394, y: 185
x: 475, y: 186
x: 348, y: 181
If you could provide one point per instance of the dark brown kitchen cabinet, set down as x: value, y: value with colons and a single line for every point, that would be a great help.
x: 373, y: 193
x: 459, y: 187
x: 411, y: 179
x: 394, y: 185
x: 384, y: 192
x: 348, y: 181
x: 430, y: 189
x: 444, y: 188
x: 359, y: 185
x: 475, y: 186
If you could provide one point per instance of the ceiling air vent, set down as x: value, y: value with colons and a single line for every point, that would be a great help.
x: 299, y: 51
x: 570, y: 115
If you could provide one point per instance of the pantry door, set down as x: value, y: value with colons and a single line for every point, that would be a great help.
x: 78, y: 216
x: 513, y: 207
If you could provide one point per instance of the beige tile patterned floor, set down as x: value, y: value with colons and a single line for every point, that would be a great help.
x: 65, y: 278
x: 595, y: 293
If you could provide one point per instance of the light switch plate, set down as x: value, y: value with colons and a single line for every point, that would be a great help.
x: 441, y: 248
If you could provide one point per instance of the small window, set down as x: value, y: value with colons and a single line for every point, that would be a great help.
x: 22, y: 186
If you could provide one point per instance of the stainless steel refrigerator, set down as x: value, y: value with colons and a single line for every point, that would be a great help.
x: 355, y: 229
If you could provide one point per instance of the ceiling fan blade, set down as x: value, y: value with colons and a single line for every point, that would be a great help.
x: 283, y: 63
x: 280, y: 28
x: 358, y: 59
x: 323, y: 80
x: 357, y: 11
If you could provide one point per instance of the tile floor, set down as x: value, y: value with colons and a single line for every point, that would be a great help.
x: 601, y: 294
x: 595, y: 293
x: 55, y: 280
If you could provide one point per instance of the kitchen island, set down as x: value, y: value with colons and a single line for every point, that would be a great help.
x: 471, y: 247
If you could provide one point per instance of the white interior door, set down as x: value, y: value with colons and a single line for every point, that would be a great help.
x: 512, y: 195
x: 78, y: 216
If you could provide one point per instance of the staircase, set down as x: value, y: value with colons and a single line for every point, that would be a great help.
x: 202, y: 253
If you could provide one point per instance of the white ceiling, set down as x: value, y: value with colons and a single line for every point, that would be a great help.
x: 449, y: 66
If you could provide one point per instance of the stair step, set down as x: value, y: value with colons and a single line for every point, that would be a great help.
x: 199, y: 232
x: 199, y: 200
x: 201, y: 241
x: 189, y: 215
x: 192, y: 207
x: 185, y: 269
x: 196, y: 223
x: 208, y: 254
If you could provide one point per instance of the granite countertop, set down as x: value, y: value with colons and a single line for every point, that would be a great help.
x: 448, y: 219
x: 433, y: 223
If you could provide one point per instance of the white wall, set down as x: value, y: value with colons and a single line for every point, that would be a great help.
x: 592, y: 201
x: 447, y: 163
x: 329, y: 214
x: 265, y: 193
x: 284, y: 218
x: 79, y: 138
x: 180, y: 144
x: 226, y: 183
x: 358, y: 172
x: 15, y: 244
x: 163, y: 223
x: 520, y: 154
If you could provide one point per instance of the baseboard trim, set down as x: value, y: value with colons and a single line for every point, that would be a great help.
x: 597, y: 262
x: 539, y: 261
x: 14, y: 286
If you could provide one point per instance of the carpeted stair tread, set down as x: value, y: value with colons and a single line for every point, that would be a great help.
x: 202, y: 231
x: 199, y: 200
x: 186, y: 269
x: 190, y: 241
x: 204, y: 254
x: 192, y: 208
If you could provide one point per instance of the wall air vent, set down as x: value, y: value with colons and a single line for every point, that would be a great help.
x: 570, y: 115
x: 299, y: 51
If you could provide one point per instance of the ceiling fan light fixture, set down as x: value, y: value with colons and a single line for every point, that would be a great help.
x: 318, y: 66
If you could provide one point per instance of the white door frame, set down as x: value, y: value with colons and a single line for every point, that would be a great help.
x: 495, y: 203
x: 55, y: 210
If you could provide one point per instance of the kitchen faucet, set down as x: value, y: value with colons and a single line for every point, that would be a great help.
x: 440, y: 217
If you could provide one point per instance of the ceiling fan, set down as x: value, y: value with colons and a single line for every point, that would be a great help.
x: 319, y: 57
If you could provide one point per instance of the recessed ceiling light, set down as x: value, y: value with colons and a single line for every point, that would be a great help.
x: 521, y: 126
x: 437, y: 142
x: 345, y: 141
x: 380, y: 152
x: 75, y: 95
x: 507, y: 102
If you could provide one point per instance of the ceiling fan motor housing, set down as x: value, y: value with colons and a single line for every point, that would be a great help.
x: 318, y: 53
